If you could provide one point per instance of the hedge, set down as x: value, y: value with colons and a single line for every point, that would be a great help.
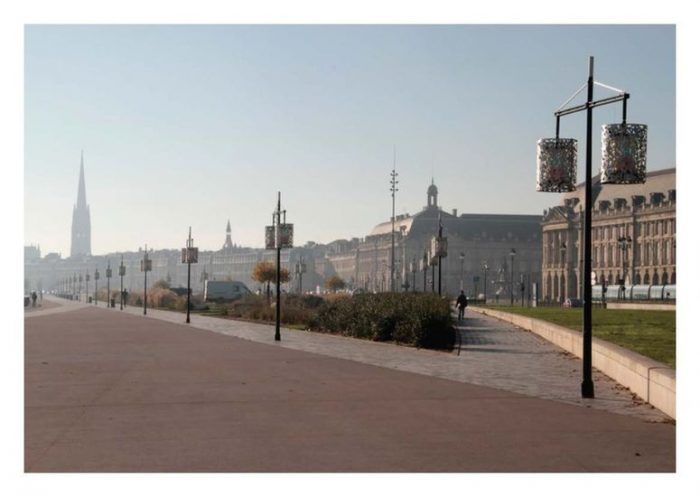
x: 421, y: 320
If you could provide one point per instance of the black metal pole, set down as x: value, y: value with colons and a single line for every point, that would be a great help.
x: 393, y: 183
x: 512, y: 261
x: 189, y: 290
x: 440, y: 261
x: 121, y: 292
x: 432, y: 278
x: 279, y: 251
x: 587, y: 389
x: 145, y: 278
x: 108, y: 290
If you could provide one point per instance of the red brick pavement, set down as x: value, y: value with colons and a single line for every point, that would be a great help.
x: 107, y: 391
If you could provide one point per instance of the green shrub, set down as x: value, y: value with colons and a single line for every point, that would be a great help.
x: 421, y: 320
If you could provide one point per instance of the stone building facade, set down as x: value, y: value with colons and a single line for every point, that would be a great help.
x: 633, y: 236
x: 485, y: 240
x: 478, y: 260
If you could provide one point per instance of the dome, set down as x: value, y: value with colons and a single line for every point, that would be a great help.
x: 432, y: 189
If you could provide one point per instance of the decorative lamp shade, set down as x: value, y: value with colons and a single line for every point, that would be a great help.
x: 122, y: 270
x: 556, y: 165
x: 269, y: 237
x: 438, y: 246
x: 108, y: 273
x: 624, y: 154
x: 190, y: 255
x: 286, y: 235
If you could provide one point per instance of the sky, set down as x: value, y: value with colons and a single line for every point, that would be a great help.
x: 195, y: 125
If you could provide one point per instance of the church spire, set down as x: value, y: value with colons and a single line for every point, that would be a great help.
x: 228, y: 244
x: 82, y: 198
x: 80, y: 229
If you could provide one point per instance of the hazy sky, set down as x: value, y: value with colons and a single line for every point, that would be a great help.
x: 193, y: 125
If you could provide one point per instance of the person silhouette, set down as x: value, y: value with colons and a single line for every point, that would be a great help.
x: 461, y: 304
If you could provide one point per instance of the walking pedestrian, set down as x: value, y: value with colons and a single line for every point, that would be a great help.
x: 33, y: 299
x: 461, y: 304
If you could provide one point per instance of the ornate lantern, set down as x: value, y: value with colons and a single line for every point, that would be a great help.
x: 189, y: 255
x: 556, y: 165
x: 439, y: 246
x: 624, y: 154
x: 270, y: 238
x: 286, y: 235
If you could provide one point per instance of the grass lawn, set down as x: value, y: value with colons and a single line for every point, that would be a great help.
x: 650, y: 333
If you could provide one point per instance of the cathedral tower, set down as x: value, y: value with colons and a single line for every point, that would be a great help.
x: 80, y: 231
x: 228, y: 244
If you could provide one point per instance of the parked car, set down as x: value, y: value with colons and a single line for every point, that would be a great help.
x: 224, y: 291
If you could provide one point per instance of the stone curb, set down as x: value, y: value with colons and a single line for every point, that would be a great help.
x: 651, y: 380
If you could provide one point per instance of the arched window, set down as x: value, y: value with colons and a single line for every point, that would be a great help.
x: 646, y: 278
x: 637, y: 279
x: 655, y: 279
x: 664, y: 278
x: 673, y: 278
x: 555, y: 293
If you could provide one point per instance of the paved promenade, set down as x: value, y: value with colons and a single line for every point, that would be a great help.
x: 114, y: 391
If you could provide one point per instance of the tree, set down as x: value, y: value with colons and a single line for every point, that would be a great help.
x: 335, y: 283
x: 265, y: 272
x: 161, y: 284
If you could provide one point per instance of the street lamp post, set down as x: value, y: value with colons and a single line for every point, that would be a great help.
x: 624, y: 243
x: 87, y: 287
x: 413, y: 271
x: 190, y: 255
x: 97, y: 277
x: 563, y: 265
x: 439, y: 250
x: 278, y: 236
x: 486, y: 270
x: 146, y: 266
x: 623, y: 162
x: 424, y: 268
x: 461, y: 271
x: 393, y: 182
x: 108, y: 275
x: 299, y: 270
x: 122, y: 272
x: 512, y: 283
